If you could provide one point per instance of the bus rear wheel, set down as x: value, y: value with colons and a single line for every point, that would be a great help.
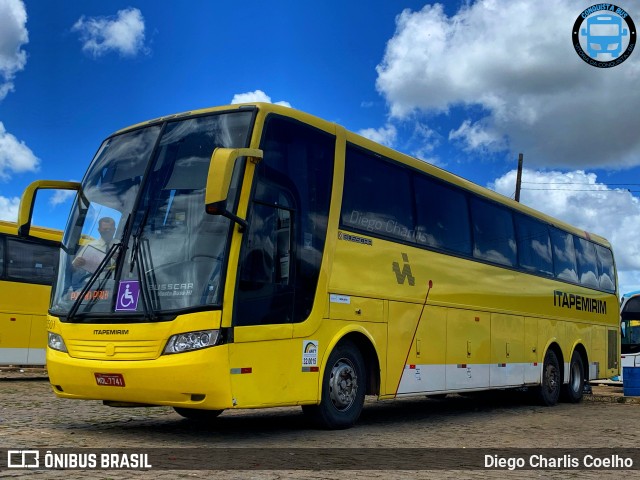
x: 343, y: 389
x: 549, y: 390
x: 197, y: 415
x: 572, y: 391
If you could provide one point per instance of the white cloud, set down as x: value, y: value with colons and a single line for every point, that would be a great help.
x: 13, y: 35
x: 475, y: 136
x: 15, y: 156
x: 9, y: 208
x: 123, y: 33
x: 514, y: 62
x: 256, y: 96
x: 61, y: 196
x: 427, y: 139
x: 576, y: 197
x: 385, y: 135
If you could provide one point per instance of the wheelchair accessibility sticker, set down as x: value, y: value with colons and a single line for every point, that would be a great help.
x: 128, y: 295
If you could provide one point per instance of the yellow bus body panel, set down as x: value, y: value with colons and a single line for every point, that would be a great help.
x: 134, y: 350
x: 482, y: 326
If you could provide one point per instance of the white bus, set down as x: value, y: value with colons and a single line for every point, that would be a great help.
x: 630, y: 330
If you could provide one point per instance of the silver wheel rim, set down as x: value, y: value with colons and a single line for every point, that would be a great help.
x: 343, y: 384
x: 551, y: 374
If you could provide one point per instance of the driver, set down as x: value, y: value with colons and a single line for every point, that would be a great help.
x: 88, y: 258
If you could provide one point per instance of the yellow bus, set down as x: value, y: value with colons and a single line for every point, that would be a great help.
x: 264, y: 257
x: 28, y: 263
x: 27, y: 270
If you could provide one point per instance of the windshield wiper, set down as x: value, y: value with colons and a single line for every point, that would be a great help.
x: 87, y: 286
x: 135, y: 247
x: 138, y: 262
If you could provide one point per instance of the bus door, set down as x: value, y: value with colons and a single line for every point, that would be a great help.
x: 27, y: 201
x: 279, y: 264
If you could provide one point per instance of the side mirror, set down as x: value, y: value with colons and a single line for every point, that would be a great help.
x: 221, y: 168
x: 28, y: 198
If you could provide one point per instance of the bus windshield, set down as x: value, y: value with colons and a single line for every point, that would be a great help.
x: 139, y: 242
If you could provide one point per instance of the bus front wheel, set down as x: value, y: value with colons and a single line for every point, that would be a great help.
x: 549, y: 390
x: 572, y: 391
x: 343, y: 389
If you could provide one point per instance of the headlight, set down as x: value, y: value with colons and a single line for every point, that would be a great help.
x: 185, y: 342
x: 56, y: 342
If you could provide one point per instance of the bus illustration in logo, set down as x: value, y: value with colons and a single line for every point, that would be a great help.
x: 604, y: 35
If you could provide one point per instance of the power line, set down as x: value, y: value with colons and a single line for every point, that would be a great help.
x: 626, y: 190
x: 583, y: 183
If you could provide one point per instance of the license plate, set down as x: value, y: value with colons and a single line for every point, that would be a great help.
x: 109, y: 379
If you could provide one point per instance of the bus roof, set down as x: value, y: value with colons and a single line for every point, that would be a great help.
x: 387, y: 152
x: 45, y: 233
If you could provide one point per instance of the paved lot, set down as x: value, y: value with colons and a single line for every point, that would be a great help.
x: 32, y: 417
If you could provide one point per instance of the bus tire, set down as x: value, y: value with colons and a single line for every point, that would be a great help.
x: 197, y: 414
x: 572, y: 391
x: 549, y: 390
x: 343, y: 389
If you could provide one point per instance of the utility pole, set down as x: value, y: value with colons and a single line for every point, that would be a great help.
x: 519, y: 178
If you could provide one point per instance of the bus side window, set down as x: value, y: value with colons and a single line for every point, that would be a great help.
x: 31, y: 262
x: 493, y: 233
x: 606, y: 269
x: 442, y: 216
x: 587, y: 264
x: 534, y: 245
x: 373, y: 212
x: 564, y: 255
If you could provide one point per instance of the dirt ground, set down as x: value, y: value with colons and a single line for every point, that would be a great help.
x: 31, y: 417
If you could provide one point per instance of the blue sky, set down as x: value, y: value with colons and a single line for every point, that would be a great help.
x: 463, y: 85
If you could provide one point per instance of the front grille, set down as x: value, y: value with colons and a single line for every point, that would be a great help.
x: 114, y: 349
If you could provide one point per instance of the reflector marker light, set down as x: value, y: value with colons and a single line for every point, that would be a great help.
x: 240, y: 371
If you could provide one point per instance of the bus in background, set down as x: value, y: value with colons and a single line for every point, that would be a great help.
x: 28, y: 265
x: 264, y: 257
x: 27, y: 270
x: 630, y: 330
